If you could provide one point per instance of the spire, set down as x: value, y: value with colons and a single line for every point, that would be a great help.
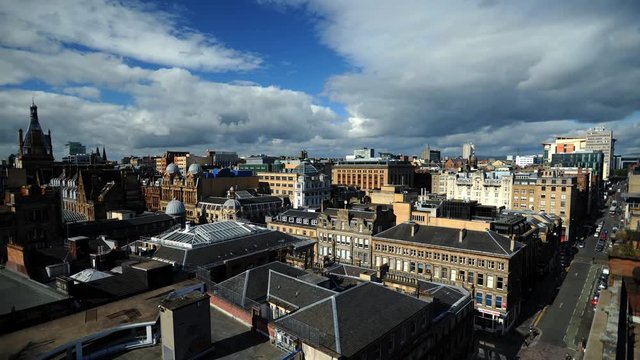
x: 104, y: 154
x: 34, y: 112
x: 97, y: 151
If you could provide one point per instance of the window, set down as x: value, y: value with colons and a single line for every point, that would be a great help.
x: 472, y: 262
x: 499, y: 284
x: 489, y: 300
x: 498, y: 301
x: 478, y: 297
x: 501, y: 266
x: 480, y: 263
x: 480, y: 280
x: 443, y: 272
x: 490, y: 281
x: 470, y: 277
x: 461, y: 275
x: 491, y: 264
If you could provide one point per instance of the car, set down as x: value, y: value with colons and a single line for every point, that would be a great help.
x: 581, y: 243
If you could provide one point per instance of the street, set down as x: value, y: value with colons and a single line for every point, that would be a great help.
x: 563, y: 318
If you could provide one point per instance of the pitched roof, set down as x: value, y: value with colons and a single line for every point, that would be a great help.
x: 475, y: 241
x: 253, y: 284
x: 294, y: 293
x: 337, y: 322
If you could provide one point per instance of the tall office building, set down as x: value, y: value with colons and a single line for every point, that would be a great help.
x: 468, y: 149
x: 600, y: 138
x: 74, y: 148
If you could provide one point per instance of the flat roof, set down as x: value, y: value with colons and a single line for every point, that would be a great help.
x: 45, y: 337
x: 20, y: 292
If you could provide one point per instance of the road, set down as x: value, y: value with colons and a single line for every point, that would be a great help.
x: 568, y: 319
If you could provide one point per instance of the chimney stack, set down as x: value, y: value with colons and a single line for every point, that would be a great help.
x: 513, y: 242
x: 462, y: 234
x: 414, y: 227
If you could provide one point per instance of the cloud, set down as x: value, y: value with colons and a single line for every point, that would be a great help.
x: 127, y: 29
x: 87, y: 92
x: 435, y: 69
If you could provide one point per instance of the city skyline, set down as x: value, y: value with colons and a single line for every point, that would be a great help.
x: 279, y: 76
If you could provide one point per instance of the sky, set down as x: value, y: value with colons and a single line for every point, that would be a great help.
x: 278, y: 76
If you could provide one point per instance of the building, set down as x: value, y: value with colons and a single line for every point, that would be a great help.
x: 222, y: 159
x: 74, y: 148
x: 197, y: 184
x: 35, y: 152
x: 261, y: 164
x: 331, y: 328
x: 239, y: 205
x: 224, y: 249
x: 490, y: 188
x: 564, y: 145
x: 389, y: 194
x: 161, y: 162
x: 279, y: 183
x: 601, y: 139
x: 34, y: 218
x: 430, y: 156
x: 295, y: 222
x: 373, y: 174
x: 593, y: 160
x: 312, y: 187
x: 552, y: 192
x: 468, y: 149
x: 487, y: 264
x: 183, y: 162
x: 526, y: 160
x: 91, y: 192
x: 344, y: 235
x: 185, y: 325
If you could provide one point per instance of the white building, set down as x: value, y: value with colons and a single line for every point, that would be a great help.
x: 312, y: 187
x: 493, y: 189
x: 602, y: 139
x: 468, y: 149
x: 526, y: 160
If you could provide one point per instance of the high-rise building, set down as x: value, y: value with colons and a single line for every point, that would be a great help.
x: 600, y: 138
x: 468, y: 149
x: 429, y: 155
x: 74, y: 148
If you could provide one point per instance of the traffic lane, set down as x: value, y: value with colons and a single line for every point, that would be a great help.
x: 556, y: 319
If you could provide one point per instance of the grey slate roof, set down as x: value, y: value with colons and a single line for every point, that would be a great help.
x: 253, y: 283
x: 300, y: 214
x: 479, y: 241
x: 337, y: 322
x: 293, y: 293
x: 225, y: 250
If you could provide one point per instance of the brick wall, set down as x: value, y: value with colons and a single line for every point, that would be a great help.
x: 231, y: 309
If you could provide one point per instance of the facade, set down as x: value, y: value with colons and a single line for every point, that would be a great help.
x: 35, y: 152
x: 222, y: 159
x: 487, y: 264
x: 593, y: 160
x: 234, y: 207
x: 493, y: 188
x: 344, y: 235
x: 36, y: 217
x: 197, y: 184
x: 369, y: 175
x: 74, y: 148
x: 468, y: 149
x: 280, y: 183
x: 312, y: 187
x: 526, y: 160
x: 167, y: 158
x: 92, y: 192
x: 295, y: 222
x: 184, y: 161
x: 601, y: 139
x: 564, y: 145
x: 551, y: 192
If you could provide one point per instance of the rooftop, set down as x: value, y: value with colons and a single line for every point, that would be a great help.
x: 476, y: 241
x: 206, y: 234
x: 19, y: 292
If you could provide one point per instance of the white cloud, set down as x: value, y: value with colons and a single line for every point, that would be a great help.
x: 88, y: 92
x: 437, y: 68
x: 126, y: 29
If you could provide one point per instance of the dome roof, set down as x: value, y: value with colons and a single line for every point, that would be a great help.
x: 175, y: 208
x: 232, y: 204
x: 306, y: 169
x: 173, y: 169
x: 195, y: 169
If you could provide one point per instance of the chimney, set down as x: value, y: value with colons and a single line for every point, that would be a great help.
x: 462, y: 234
x: 513, y: 242
x: 187, y: 226
x: 414, y: 228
